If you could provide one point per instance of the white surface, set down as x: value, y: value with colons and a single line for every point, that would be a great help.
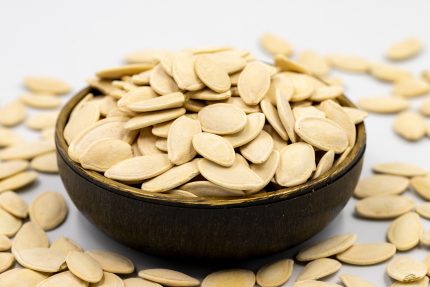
x: 73, y: 39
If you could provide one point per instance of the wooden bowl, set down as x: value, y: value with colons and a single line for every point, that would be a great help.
x: 208, y: 228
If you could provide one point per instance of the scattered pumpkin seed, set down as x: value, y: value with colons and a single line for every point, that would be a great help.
x: 275, y: 274
x: 382, y: 104
x: 381, y: 184
x: 405, y: 231
x: 410, y: 125
x: 48, y: 210
x: 65, y: 278
x: 214, y: 148
x: 40, y: 101
x: 231, y: 278
x: 41, y: 259
x: 9, y: 168
x: 404, y: 49
x: 399, y: 168
x: 168, y: 277
x: 112, y: 262
x: 12, y: 114
x: 46, y: 163
x: 18, y: 181
x: 9, y: 225
x: 406, y: 269
x: 274, y: 44
x: 22, y: 277
x: 384, y: 206
x: 84, y: 266
x: 14, y: 204
x: 355, y: 281
x: 367, y: 253
x: 319, y: 268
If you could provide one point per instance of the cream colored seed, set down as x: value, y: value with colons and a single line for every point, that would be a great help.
x: 47, y: 134
x: 314, y: 62
x: 42, y: 121
x: 161, y: 144
x: 48, y: 210
x: 266, y: 171
x: 325, y: 164
x: 172, y: 178
x: 6, y: 261
x: 304, y: 86
x: 21, y: 277
x: 31, y: 235
x: 209, y: 49
x: 139, y: 282
x: 272, y: 116
x: 27, y: 150
x: 121, y: 71
x: 183, y: 193
x: 14, y: 204
x: 383, y: 105
x: 327, y: 93
x: 141, y: 78
x: 152, y: 118
x: 286, y: 115
x: 9, y: 168
x: 149, y: 56
x: 384, y: 206
x: 43, y: 84
x: 230, y: 61
x: 296, y: 165
x: 406, y: 269
x: 179, y: 141
x: 322, y: 133
x: 168, y: 101
x: 105, y: 87
x: 161, y: 130
x: 425, y: 238
x: 355, y: 281
x: 63, y: 279
x: 274, y: 44
x: 259, y: 149
x: 109, y: 280
x: 209, y: 189
x: 314, y: 283
x: 425, y: 107
x: 319, y: 268
x: 420, y: 283
x: 254, y: 82
x: 334, y: 112
x: 208, y: 95
x: 65, y: 245
x: 231, y: 278
x: 214, y: 148
x: 212, y: 74
x: 46, y: 163
x: 85, y: 116
x: 410, y: 125
x: 327, y: 248
x: 18, y: 181
x: 404, y: 49
x: 381, y: 185
x: 146, y: 142
x: 411, y: 87
x: 405, y: 231
x: 232, y: 121
x: 137, y: 95
x: 183, y: 72
x: 390, y: 73
x: 399, y: 168
x: 84, y: 267
x: 168, y: 277
x: 161, y: 82
x: 311, y: 111
x: 5, y: 243
x: 9, y: 225
x: 287, y: 65
x: 112, y: 262
x: 367, y: 253
x: 275, y: 274
x: 349, y: 63
x: 12, y: 114
x: 421, y: 185
x: 424, y: 210
x: 42, y: 101
x: 41, y: 259
x: 194, y: 106
x: 283, y: 84
x: 9, y: 137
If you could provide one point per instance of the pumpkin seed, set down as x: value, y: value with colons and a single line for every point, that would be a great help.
x: 139, y: 282
x: 105, y: 104
x: 405, y: 231
x: 404, y: 49
x: 125, y: 70
x: 12, y: 114
x: 172, y: 178
x: 314, y: 62
x: 231, y: 278
x: 325, y: 163
x: 334, y: 112
x: 212, y: 74
x: 9, y: 137
x: 48, y: 210
x: 383, y: 105
x: 274, y: 44
x: 161, y: 144
x: 152, y: 118
x: 214, y: 148
x: 84, y: 266
x: 162, y: 129
x: 296, y: 164
x: 322, y: 133
x: 319, y: 268
x: 420, y: 283
x: 286, y: 116
x: 161, y: 82
x: 168, y: 277
x: 5, y: 243
x: 328, y: 247
x: 112, y: 262
x: 239, y: 176
x: 41, y: 259
x: 9, y: 225
x: 44, y: 84
x: 18, y: 181
x: 167, y: 101
x: 349, y: 63
x: 9, y: 168
x: 65, y: 278
x: 357, y: 116
x: 42, y: 121
x: 425, y: 238
x: 179, y: 141
x: 137, y: 95
x: 14, y: 204
x: 381, y: 185
x: 390, y: 73
x: 304, y: 85
x: 424, y: 210
x: 384, y: 206
x: 425, y: 107
x: 406, y: 269
x: 183, y: 72
x: 21, y: 277
x: 259, y: 149
x: 367, y: 253
x: 146, y: 142
x: 283, y: 84
x: 314, y: 283
x: 65, y: 245
x: 109, y: 280
x: 31, y: 235
x: 286, y: 64
x: 230, y: 61
x: 311, y: 111
x: 6, y: 261
x: 27, y: 150
x: 86, y: 116
x: 208, y: 95
x: 182, y: 193
x: 275, y: 274
x: 410, y: 125
x: 266, y: 170
x: 40, y: 101
x: 209, y: 189
x: 327, y: 93
x: 411, y: 87
x: 399, y: 168
x: 254, y: 82
x: 273, y: 118
x: 46, y: 163
x: 354, y: 281
x: 233, y: 120
x: 149, y: 56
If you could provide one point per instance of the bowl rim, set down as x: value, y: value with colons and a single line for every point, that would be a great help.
x: 122, y: 189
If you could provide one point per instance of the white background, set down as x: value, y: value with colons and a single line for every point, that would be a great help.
x: 72, y: 39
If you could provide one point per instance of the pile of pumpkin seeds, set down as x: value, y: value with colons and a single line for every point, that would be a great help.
x: 63, y: 262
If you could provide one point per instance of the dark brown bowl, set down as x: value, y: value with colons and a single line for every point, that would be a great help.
x: 207, y: 228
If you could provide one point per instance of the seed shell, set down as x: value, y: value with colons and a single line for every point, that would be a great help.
x: 399, y: 168
x: 275, y: 274
x: 168, y: 277
x: 9, y: 168
x: 84, y: 267
x: 367, y: 254
x: 48, y: 210
x: 22, y: 277
x: 421, y: 185
x: 319, y: 268
x: 405, y: 231
x: 233, y: 119
x: 152, y: 118
x: 406, y: 269
x: 12, y: 114
x: 231, y: 278
x: 18, y: 181
x: 46, y: 163
x: 214, y: 148
x: 382, y: 104
x: 179, y: 141
x: 212, y: 74
x: 9, y: 225
x: 381, y: 185
x: 254, y: 82
x: 410, y: 125
x: 355, y: 281
x: 14, y: 204
x: 112, y: 262
x: 384, y: 206
x: 41, y: 259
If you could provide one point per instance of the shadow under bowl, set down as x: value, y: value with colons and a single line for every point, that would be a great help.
x: 208, y: 229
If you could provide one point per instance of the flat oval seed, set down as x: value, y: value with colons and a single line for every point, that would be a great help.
x: 63, y: 279
x: 253, y: 83
x: 65, y: 245
x: 183, y: 72
x: 357, y: 116
x: 381, y: 185
x: 411, y: 87
x: 273, y: 44
x: 421, y: 185
x: 424, y: 210
x: 21, y: 277
x: 311, y: 111
x: 319, y: 268
x: 410, y: 125
x: 383, y: 105
x: 384, y: 206
x: 85, y: 116
x: 168, y: 101
x: 230, y: 61
x: 425, y: 107
x: 209, y: 189
x: 231, y: 278
x: 6, y: 261
x: 94, y: 157
x: 161, y: 82
x: 404, y: 49
x: 314, y: 62
x: 286, y: 115
x: 349, y: 63
x: 168, y: 277
x: 139, y: 282
x: 304, y: 86
x: 172, y: 178
x: 399, y: 168
x: 421, y: 283
x: 367, y: 253
x: 112, y: 262
x: 266, y: 171
x: 14, y: 204
x: 31, y: 235
x: 121, y: 71
x: 18, y: 181
x: 41, y: 259
x: 254, y: 125
x: 161, y: 130
x: 275, y: 274
x: 273, y: 118
x: 179, y: 141
x: 136, y: 95
x: 322, y: 133
x: 9, y: 137
x: 9, y: 168
x: 84, y: 267
x: 46, y: 163
x: 139, y: 168
x: 390, y: 73
x: 259, y: 149
x: 48, y: 210
x: 296, y: 165
x: 327, y: 248
x: 314, y: 283
x: 325, y: 163
x: 334, y: 112
x: 109, y: 280
x: 27, y: 150
x: 9, y: 225
x: 208, y: 95
x: 212, y: 74
x: 181, y: 193
x: 42, y: 101
x: 286, y: 64
x: 327, y: 93
x: 406, y: 269
x: 44, y: 84
x: 214, y: 148
x: 5, y: 243
x: 280, y: 83
x: 12, y: 114
x: 152, y: 118
x: 239, y: 176
x: 405, y: 231
x: 355, y: 281
x: 42, y: 121
x: 222, y: 119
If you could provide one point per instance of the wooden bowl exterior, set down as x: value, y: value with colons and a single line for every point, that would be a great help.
x: 206, y: 228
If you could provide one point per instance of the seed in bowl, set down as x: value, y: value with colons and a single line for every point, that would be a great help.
x: 211, y: 119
